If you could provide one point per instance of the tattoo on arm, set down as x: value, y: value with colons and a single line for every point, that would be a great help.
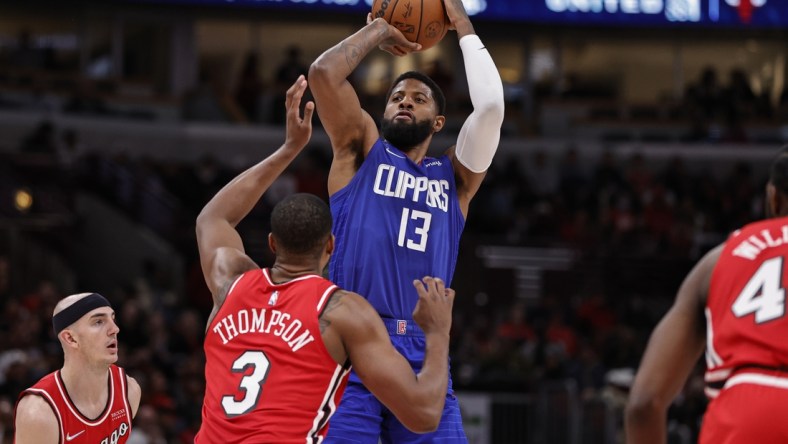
x: 352, y: 55
x: 334, y: 301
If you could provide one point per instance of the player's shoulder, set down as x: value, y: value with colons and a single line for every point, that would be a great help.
x: 35, y: 421
x: 34, y: 412
x: 134, y: 394
x: 759, y: 225
x: 345, y: 299
x: 347, y: 308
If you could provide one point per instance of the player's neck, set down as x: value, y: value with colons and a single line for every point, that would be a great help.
x: 283, y: 271
x: 86, y: 385
x: 417, y: 154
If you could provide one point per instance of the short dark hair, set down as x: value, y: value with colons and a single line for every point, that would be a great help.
x: 301, y: 224
x: 778, y: 174
x: 437, y: 94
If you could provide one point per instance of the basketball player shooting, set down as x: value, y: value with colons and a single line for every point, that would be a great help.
x: 280, y: 340
x: 399, y: 214
x: 739, y: 288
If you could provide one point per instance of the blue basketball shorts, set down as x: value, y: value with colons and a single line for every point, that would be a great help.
x: 362, y: 419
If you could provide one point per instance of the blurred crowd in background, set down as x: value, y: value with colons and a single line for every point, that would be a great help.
x: 620, y: 209
x: 636, y: 223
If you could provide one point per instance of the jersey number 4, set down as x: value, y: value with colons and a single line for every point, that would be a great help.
x: 421, y: 230
x: 764, y: 294
x: 251, y: 385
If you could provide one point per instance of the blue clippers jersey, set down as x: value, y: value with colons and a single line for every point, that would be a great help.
x: 395, y: 222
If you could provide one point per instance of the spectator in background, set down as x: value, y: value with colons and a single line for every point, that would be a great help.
x: 249, y: 89
x: 42, y: 140
x: 86, y: 100
x: 26, y: 55
x: 738, y: 97
x: 292, y: 67
x: 146, y: 428
x: 443, y: 76
x: 705, y: 96
x: 210, y: 101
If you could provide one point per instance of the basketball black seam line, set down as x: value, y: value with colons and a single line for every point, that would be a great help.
x: 393, y: 8
x: 421, y: 20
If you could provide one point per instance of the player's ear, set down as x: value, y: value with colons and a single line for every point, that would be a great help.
x: 272, y: 243
x: 67, y: 337
x: 438, y: 123
x: 330, y: 245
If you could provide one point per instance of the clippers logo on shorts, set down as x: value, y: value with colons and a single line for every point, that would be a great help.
x: 402, y: 327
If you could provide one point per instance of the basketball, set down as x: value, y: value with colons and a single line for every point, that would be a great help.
x: 420, y: 21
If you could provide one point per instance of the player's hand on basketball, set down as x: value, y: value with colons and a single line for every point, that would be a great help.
x: 458, y: 17
x: 299, y: 129
x: 433, y: 310
x: 394, y: 42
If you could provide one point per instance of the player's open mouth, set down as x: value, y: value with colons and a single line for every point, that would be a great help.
x: 113, y: 346
x: 403, y: 115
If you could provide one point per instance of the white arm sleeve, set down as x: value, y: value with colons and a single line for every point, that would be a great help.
x: 481, y: 132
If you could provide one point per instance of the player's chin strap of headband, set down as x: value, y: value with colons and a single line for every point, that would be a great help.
x: 78, y: 309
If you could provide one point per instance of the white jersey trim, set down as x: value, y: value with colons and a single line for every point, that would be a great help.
x: 324, y: 297
x: 52, y: 404
x: 757, y: 379
x: 712, y: 358
x: 125, y: 395
x: 79, y: 415
x: 718, y: 375
x: 232, y: 287
x: 327, y: 406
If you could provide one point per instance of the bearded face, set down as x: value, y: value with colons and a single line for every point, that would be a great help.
x: 405, y: 134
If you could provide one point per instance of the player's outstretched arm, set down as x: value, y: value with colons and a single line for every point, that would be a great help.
x: 351, y: 129
x: 416, y: 399
x: 35, y: 422
x: 222, y: 255
x: 673, y: 350
x: 481, y: 132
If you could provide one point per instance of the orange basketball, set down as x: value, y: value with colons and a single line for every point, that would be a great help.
x: 421, y: 21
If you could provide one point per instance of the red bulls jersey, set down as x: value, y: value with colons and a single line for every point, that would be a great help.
x: 112, y: 426
x: 269, y: 377
x: 745, y: 311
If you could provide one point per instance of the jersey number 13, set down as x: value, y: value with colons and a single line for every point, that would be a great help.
x: 421, y: 227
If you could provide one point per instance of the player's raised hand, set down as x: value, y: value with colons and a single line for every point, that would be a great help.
x: 395, y: 42
x: 299, y: 130
x: 458, y: 17
x: 433, y: 310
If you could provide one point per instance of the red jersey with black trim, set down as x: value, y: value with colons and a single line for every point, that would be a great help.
x: 269, y: 377
x: 745, y: 309
x: 112, y: 426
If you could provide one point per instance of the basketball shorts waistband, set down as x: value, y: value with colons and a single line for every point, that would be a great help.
x: 402, y: 327
x: 750, y: 374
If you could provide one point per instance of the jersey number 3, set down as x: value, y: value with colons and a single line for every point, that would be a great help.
x: 764, y: 294
x: 251, y: 385
x: 422, y: 221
